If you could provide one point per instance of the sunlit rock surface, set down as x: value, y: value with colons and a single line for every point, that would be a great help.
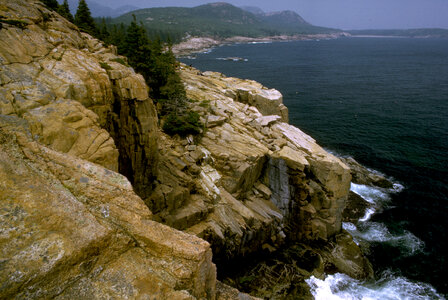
x: 71, y: 227
x: 79, y: 96
x: 271, y: 182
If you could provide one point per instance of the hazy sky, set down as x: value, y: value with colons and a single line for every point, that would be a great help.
x: 344, y: 14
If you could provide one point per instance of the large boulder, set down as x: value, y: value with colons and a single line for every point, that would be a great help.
x: 71, y: 229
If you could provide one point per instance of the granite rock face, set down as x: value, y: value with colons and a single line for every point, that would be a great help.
x: 363, y: 175
x: 72, y: 229
x: 78, y: 95
x: 254, y: 180
x: 71, y: 115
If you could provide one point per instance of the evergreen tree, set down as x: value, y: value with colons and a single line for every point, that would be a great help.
x: 164, y: 82
x: 103, y: 32
x: 117, y: 35
x: 52, y: 4
x: 64, y: 10
x: 158, y: 65
x: 84, y: 20
x: 136, y: 48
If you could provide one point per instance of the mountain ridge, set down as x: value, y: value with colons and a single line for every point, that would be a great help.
x: 99, y: 10
x: 220, y: 20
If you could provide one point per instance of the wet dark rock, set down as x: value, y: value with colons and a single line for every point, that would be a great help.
x: 355, y: 209
x: 362, y: 175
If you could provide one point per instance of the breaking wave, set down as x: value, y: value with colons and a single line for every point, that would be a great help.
x: 366, y: 231
x: 369, y: 232
x: 388, y: 287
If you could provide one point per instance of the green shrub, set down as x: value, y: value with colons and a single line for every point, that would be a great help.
x: 120, y: 61
x: 17, y: 23
x: 182, y: 125
x: 205, y: 104
x: 105, y: 66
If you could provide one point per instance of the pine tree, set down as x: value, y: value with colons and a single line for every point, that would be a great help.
x: 84, y: 20
x: 64, y: 10
x: 164, y: 78
x: 52, y: 4
x: 136, y: 48
x: 117, y: 35
x: 157, y: 64
x: 103, y: 32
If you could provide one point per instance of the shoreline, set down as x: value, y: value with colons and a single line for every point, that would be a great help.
x: 201, y: 44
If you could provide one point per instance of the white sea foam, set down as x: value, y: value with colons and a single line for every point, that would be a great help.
x: 408, y: 243
x: 377, y: 197
x: 369, y: 212
x: 397, y: 188
x: 232, y: 58
x: 388, y: 287
x: 367, y: 231
x: 265, y: 42
x: 371, y: 194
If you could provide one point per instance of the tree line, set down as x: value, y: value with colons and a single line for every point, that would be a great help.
x: 151, y: 57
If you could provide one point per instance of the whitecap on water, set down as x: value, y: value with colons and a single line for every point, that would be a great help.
x: 388, y: 287
x: 371, y: 194
x: 264, y: 42
x: 367, y: 231
x: 408, y: 243
x: 369, y: 212
x: 207, y: 51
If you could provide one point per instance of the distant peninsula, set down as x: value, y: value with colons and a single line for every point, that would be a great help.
x: 414, y: 33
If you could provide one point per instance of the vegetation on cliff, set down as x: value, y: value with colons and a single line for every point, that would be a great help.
x: 151, y: 58
x: 156, y: 62
x: 52, y: 4
x: 64, y: 10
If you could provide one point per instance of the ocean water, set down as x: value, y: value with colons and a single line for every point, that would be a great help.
x: 383, y: 101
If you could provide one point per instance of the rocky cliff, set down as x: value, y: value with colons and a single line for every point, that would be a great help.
x: 251, y: 182
x: 77, y: 95
x: 87, y: 177
x: 71, y: 116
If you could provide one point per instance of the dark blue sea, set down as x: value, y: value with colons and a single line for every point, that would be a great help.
x: 384, y: 102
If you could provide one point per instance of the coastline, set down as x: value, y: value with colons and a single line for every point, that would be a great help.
x: 373, y: 232
x: 201, y: 44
